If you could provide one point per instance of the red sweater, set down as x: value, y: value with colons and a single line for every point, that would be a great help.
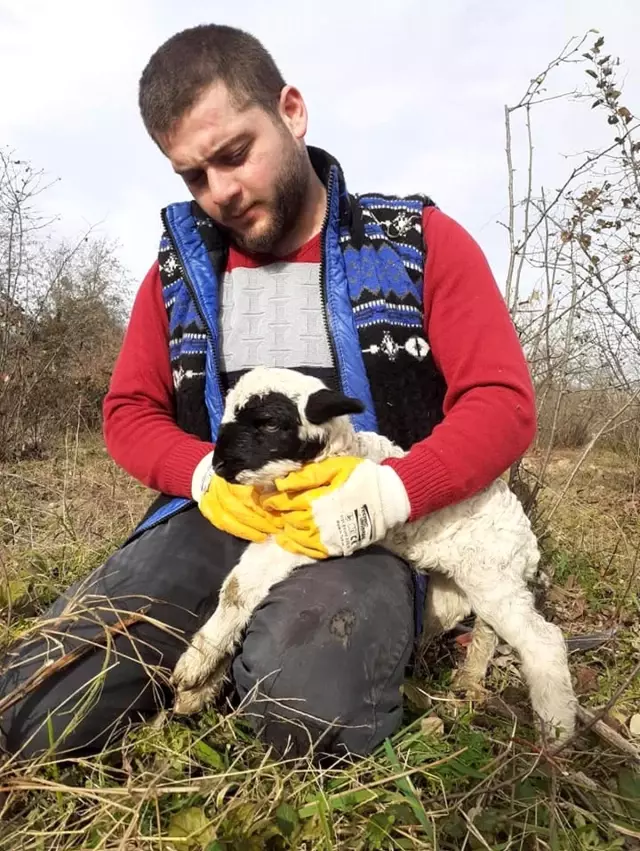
x: 490, y: 415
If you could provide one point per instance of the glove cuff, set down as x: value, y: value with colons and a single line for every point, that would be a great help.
x: 394, y: 498
x: 202, y: 477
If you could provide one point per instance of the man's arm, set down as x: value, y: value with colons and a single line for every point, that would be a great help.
x: 139, y: 424
x: 490, y: 411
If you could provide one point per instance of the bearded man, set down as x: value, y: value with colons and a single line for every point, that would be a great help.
x: 274, y: 262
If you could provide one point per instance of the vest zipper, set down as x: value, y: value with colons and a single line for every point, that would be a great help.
x: 323, y: 282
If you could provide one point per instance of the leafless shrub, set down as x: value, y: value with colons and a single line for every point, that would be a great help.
x: 62, y: 312
x: 573, y: 281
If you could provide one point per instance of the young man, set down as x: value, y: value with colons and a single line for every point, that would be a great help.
x: 274, y: 262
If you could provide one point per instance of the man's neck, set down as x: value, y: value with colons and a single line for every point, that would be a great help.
x: 310, y: 220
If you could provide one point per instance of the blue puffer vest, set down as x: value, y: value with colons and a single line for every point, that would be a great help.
x: 372, y: 267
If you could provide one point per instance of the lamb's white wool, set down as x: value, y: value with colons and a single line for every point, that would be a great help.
x: 481, y: 554
x: 264, y: 476
x: 262, y: 380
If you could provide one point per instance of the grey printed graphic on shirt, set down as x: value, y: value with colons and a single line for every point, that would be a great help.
x: 272, y: 316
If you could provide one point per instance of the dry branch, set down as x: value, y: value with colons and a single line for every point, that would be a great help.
x: 608, y: 734
x: 49, y: 668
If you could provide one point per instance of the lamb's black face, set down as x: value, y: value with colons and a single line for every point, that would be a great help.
x: 267, y: 437
x: 266, y: 429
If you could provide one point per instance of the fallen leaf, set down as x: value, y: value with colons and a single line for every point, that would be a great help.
x: 503, y: 661
x: 192, y: 826
x: 416, y: 695
x: 617, y: 720
x: 577, y: 608
x: 586, y: 679
x: 432, y: 726
x: 13, y: 591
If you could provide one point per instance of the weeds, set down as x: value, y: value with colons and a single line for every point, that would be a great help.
x: 456, y: 775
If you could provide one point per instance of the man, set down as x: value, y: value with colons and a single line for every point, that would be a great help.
x: 275, y: 263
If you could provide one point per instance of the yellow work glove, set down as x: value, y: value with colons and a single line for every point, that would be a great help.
x: 337, y: 506
x: 231, y: 508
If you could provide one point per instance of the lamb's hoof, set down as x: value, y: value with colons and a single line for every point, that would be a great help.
x: 471, y: 687
x: 188, y: 702
x: 191, y: 701
x: 556, y: 734
x: 196, y: 664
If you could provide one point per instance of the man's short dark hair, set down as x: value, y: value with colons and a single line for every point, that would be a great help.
x: 196, y: 58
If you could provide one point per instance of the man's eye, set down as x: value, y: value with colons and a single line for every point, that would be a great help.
x: 193, y: 178
x: 236, y: 157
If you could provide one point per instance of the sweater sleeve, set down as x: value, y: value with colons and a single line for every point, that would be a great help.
x: 139, y: 426
x: 489, y: 406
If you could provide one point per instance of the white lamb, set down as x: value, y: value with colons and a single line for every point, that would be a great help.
x: 480, y: 553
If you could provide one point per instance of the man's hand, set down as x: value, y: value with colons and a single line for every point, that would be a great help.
x: 337, y: 506
x: 232, y: 508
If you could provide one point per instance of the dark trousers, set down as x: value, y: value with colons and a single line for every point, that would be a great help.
x: 322, y: 660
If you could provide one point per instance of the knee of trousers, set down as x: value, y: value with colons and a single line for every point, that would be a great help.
x: 324, y: 657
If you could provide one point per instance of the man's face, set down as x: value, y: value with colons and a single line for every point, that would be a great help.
x: 246, y: 168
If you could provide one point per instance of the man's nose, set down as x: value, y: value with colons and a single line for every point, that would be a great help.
x: 223, y: 187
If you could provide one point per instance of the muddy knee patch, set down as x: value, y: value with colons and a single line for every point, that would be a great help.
x: 341, y: 625
x: 231, y: 592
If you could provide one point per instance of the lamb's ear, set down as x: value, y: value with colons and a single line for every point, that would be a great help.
x: 324, y: 405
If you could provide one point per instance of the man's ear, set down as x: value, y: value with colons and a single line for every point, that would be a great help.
x: 324, y: 405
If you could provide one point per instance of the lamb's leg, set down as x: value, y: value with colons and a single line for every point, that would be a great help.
x: 206, y: 659
x: 510, y: 611
x: 445, y: 606
x: 472, y: 673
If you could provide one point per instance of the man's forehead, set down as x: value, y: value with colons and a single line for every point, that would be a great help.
x: 213, y: 123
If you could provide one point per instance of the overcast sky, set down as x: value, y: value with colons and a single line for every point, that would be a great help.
x: 408, y: 97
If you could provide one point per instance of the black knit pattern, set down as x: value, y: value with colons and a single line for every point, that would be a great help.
x: 406, y: 386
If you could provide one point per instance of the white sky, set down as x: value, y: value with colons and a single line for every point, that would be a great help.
x: 408, y: 97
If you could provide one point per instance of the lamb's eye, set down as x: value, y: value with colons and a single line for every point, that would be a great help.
x: 271, y: 427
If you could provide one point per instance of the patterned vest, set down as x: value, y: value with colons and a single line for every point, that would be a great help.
x: 372, y: 280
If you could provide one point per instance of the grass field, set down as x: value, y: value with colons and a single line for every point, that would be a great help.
x: 456, y: 776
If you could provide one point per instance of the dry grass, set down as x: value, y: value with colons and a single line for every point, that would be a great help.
x: 569, y: 418
x: 454, y: 777
x: 59, y: 518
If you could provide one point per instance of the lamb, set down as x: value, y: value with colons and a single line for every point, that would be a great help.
x: 481, y: 553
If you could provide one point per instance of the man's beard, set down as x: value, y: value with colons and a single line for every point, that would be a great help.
x: 284, y: 210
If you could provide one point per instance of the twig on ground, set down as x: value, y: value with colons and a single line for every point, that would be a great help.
x: 586, y: 717
x: 608, y: 734
x: 48, y: 669
x: 602, y: 713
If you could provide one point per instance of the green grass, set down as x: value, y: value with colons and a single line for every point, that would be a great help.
x: 476, y: 780
x: 191, y: 785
